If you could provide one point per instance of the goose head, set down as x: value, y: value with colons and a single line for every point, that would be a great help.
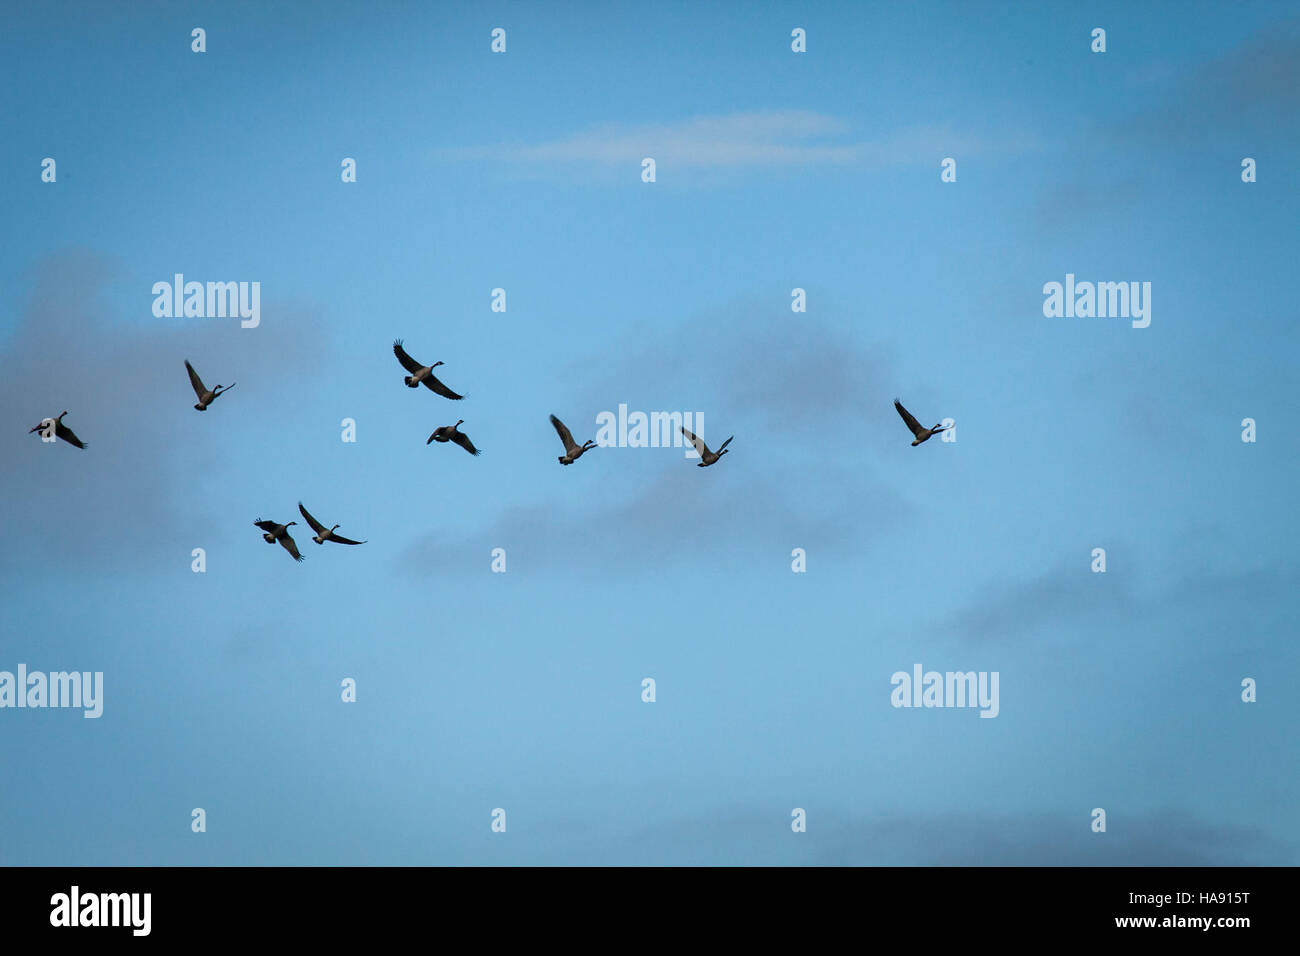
x: 435, y: 365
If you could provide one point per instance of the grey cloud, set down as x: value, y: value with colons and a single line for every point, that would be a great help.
x: 752, y: 836
x: 754, y: 373
x: 1076, y: 595
x: 80, y: 345
x: 1256, y: 83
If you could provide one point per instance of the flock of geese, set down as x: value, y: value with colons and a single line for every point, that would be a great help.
x: 275, y: 533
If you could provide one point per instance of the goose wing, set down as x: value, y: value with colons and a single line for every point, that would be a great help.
x: 564, y: 433
x: 461, y: 439
x: 290, y: 545
x: 64, y: 432
x: 700, y: 447
x: 315, y: 525
x: 911, y: 422
x: 268, y: 526
x: 408, y: 363
x: 199, y: 388
x: 437, y: 386
x: 342, y: 540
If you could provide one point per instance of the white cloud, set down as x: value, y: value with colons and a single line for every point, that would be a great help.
x: 780, y: 138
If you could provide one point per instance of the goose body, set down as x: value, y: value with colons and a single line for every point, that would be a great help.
x: 60, y: 430
x: 324, y: 534
x: 453, y: 433
x: 421, y: 374
x: 706, y: 457
x: 279, y: 532
x: 572, y: 450
x: 206, y: 395
x: 919, y: 433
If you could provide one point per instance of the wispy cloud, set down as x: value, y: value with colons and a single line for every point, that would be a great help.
x: 751, y: 139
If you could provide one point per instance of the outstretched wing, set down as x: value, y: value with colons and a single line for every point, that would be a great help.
x: 291, y: 546
x: 195, y: 381
x: 700, y: 447
x: 441, y: 389
x: 266, y: 525
x: 461, y: 439
x: 911, y: 422
x: 408, y: 363
x: 563, y: 432
x: 342, y: 540
x: 64, y: 432
x: 315, y: 525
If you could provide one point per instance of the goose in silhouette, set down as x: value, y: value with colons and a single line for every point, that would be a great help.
x: 206, y: 396
x: 572, y: 450
x: 451, y: 433
x: 706, y: 457
x: 279, y: 532
x: 324, y: 534
x: 920, y: 433
x: 60, y: 430
x: 421, y: 373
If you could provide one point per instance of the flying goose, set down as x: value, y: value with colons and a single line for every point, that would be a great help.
x: 324, y: 534
x: 60, y: 430
x: 706, y: 457
x: 206, y: 396
x: 921, y: 433
x: 421, y: 373
x: 279, y: 532
x: 450, y: 433
x: 572, y: 450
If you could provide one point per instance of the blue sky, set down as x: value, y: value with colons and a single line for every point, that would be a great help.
x: 522, y: 690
